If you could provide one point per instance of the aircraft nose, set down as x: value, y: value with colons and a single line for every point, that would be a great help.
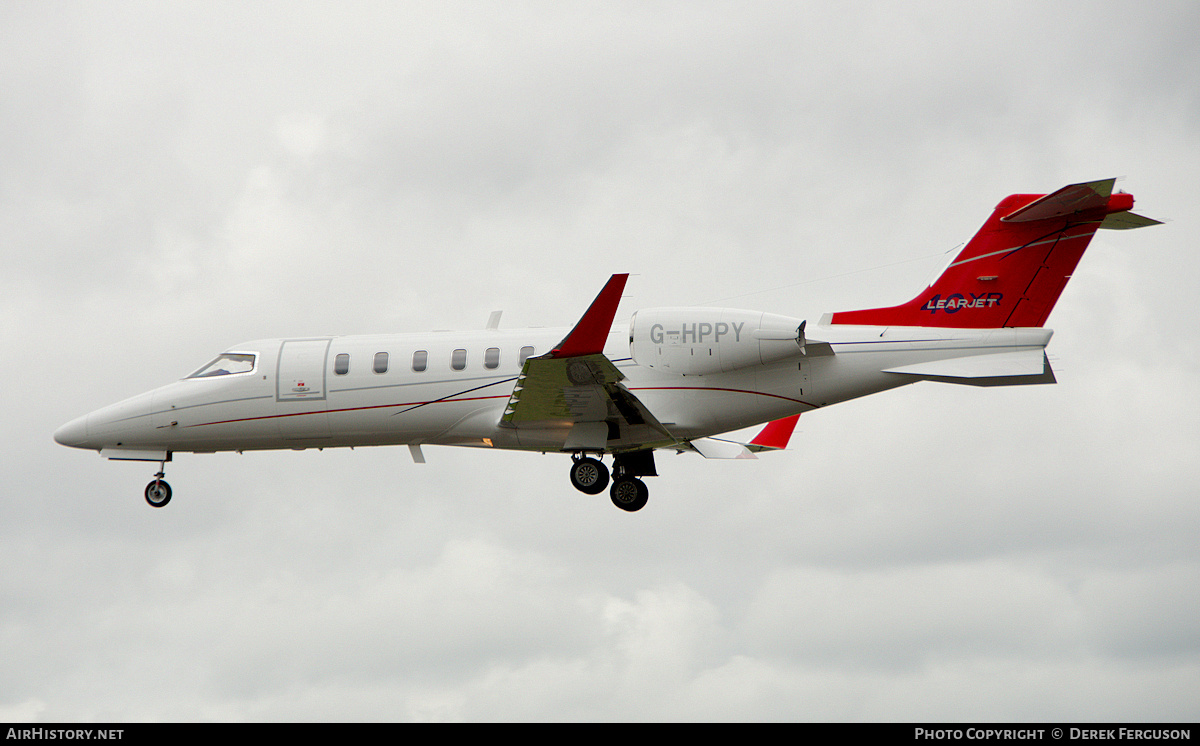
x: 73, y: 434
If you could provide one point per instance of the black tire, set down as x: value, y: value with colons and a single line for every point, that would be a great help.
x: 589, y: 476
x: 629, y: 493
x: 158, y: 493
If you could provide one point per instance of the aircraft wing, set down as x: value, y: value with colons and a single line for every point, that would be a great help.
x: 773, y: 437
x: 576, y: 385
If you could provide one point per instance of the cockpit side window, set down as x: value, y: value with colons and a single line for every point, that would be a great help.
x: 227, y: 364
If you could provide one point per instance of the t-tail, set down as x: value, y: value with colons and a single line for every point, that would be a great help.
x: 1014, y: 269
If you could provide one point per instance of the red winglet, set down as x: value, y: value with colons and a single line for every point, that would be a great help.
x: 589, y: 335
x: 777, y: 433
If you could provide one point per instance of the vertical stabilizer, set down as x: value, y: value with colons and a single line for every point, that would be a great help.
x: 1014, y: 269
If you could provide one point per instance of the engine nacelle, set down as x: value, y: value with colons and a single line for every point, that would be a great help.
x: 702, y: 341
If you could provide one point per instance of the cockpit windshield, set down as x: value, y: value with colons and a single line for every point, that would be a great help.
x: 227, y: 364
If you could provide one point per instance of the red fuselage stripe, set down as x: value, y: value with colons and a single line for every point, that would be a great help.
x: 484, y: 398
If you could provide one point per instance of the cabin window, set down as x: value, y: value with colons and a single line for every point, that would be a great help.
x: 491, y: 358
x: 381, y: 362
x: 226, y: 364
x: 526, y: 353
x: 420, y: 360
x: 458, y: 359
x: 341, y: 364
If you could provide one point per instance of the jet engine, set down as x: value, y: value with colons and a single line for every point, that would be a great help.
x: 703, y: 341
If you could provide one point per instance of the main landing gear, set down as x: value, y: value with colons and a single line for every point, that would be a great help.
x: 158, y: 492
x: 590, y: 476
x: 629, y: 493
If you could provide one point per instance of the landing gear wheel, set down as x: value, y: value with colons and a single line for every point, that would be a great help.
x: 589, y: 476
x: 158, y: 493
x: 629, y: 493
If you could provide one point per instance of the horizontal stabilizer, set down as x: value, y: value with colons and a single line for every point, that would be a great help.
x: 1123, y: 221
x: 998, y: 369
x: 1070, y: 201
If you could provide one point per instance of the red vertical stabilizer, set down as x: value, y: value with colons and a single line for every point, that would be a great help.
x: 1014, y: 269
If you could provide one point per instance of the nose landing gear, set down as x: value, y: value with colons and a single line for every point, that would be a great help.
x: 158, y: 492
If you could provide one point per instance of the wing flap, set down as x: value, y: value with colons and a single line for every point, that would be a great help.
x: 585, y: 392
x: 587, y: 436
x: 576, y: 385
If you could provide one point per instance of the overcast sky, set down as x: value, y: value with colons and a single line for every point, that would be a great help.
x: 177, y: 177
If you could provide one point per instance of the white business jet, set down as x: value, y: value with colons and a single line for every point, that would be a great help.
x: 677, y: 380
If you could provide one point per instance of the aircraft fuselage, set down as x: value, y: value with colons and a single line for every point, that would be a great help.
x: 405, y: 389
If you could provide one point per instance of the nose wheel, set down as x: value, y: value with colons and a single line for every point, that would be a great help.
x: 158, y: 492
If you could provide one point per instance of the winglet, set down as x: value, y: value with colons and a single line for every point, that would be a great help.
x: 591, y: 332
x: 775, y: 435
